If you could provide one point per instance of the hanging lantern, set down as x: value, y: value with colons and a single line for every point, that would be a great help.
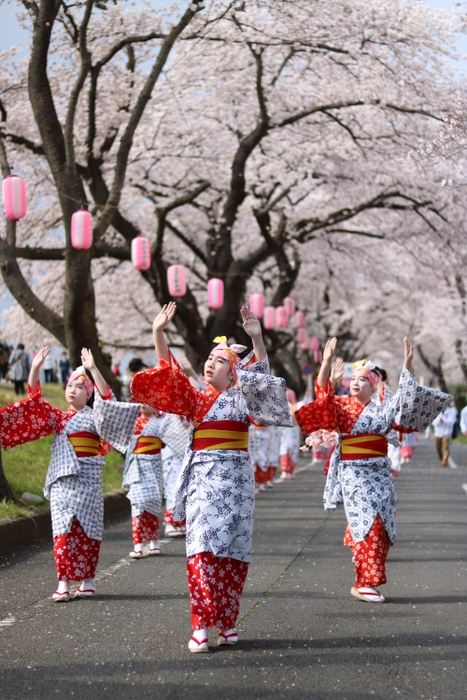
x: 14, y: 197
x: 269, y: 317
x: 306, y: 344
x: 314, y: 344
x: 301, y: 335
x: 215, y: 293
x: 176, y: 280
x: 141, y: 253
x: 289, y: 306
x: 81, y: 229
x: 299, y: 319
x: 257, y: 304
x: 317, y: 356
x: 281, y: 317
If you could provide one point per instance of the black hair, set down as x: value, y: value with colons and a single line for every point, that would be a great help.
x: 382, y: 373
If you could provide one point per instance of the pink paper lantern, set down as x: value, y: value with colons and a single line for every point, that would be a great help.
x: 269, y: 317
x: 141, y: 253
x: 299, y: 319
x: 289, y: 306
x: 317, y: 356
x: 257, y: 304
x: 306, y: 344
x: 301, y: 335
x: 176, y: 280
x: 14, y: 197
x: 81, y: 229
x: 215, y: 293
x: 281, y: 317
x: 314, y: 344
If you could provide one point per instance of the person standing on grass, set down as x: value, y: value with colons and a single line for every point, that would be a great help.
x: 359, y: 475
x: 74, y: 477
x: 19, y: 368
x: 216, y: 487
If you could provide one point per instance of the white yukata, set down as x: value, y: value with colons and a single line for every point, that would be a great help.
x: 142, y: 474
x: 259, y: 437
x: 364, y: 484
x: 215, y: 490
x: 289, y: 449
x: 394, y: 446
x: 171, y: 467
x: 74, y: 477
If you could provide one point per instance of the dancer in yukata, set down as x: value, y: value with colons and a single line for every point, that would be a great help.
x: 74, y: 477
x: 216, y: 487
x: 258, y: 440
x: 143, y: 477
x: 360, y: 472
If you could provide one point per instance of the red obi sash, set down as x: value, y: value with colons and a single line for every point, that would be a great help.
x: 221, y: 435
x: 148, y: 445
x: 85, y: 444
x: 363, y: 446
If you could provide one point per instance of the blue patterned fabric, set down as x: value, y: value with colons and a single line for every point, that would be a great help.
x: 365, y: 486
x: 215, y: 490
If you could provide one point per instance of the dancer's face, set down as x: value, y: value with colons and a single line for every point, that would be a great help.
x: 76, y: 394
x: 360, y: 387
x: 217, y: 371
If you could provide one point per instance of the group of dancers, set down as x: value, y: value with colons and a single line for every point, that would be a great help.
x: 215, y: 440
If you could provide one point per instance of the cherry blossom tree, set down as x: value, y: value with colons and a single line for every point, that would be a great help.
x: 263, y: 143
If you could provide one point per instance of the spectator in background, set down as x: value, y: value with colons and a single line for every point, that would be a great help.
x: 443, y: 425
x: 4, y: 354
x: 19, y: 368
x: 116, y: 370
x: 65, y: 367
x: 49, y: 369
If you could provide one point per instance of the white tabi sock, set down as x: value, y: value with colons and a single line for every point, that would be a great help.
x: 63, y: 587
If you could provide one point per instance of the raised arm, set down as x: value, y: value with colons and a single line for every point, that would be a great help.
x: 252, y: 326
x: 408, y: 356
x: 161, y: 322
x: 36, y: 367
x: 328, y: 357
x: 88, y: 363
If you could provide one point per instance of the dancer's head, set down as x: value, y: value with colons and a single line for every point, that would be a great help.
x: 220, y: 368
x: 364, y: 380
x: 79, y: 389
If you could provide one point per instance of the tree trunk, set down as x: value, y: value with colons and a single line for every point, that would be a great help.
x: 5, y: 489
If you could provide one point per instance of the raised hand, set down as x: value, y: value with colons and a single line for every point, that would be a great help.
x: 329, y: 351
x: 164, y: 316
x: 408, y: 355
x: 337, y: 371
x: 251, y: 323
x: 39, y: 358
x: 87, y: 359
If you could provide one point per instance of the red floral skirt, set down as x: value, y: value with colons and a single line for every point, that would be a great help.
x: 261, y: 475
x: 370, y: 555
x: 287, y: 464
x: 169, y: 519
x: 145, y: 527
x: 215, y: 585
x: 76, y: 554
x: 271, y: 473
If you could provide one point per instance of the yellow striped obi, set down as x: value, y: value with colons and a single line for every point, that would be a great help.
x: 221, y: 435
x: 85, y: 444
x: 364, y: 446
x: 148, y: 445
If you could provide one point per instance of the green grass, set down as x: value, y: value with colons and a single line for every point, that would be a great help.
x: 25, y: 466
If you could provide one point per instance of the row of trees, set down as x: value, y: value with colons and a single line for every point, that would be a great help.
x: 262, y: 142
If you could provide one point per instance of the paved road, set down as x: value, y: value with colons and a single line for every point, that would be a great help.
x: 301, y: 633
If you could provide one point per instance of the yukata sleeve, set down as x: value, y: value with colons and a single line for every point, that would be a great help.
x: 250, y: 364
x: 166, y: 387
x: 28, y: 420
x: 414, y: 407
x: 172, y: 432
x: 264, y: 397
x: 321, y: 414
x: 115, y: 420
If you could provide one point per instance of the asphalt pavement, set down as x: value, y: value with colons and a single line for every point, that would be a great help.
x: 302, y: 635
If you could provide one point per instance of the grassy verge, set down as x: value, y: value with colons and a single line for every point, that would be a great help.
x: 26, y: 465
